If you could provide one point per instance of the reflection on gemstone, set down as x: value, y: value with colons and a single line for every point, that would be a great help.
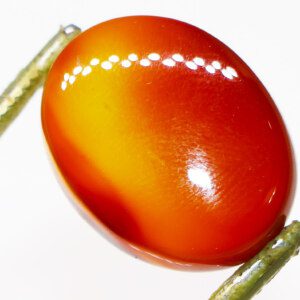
x: 72, y: 79
x: 178, y: 57
x: 66, y: 76
x: 199, y: 61
x: 227, y: 74
x: 77, y: 70
x: 114, y: 60
x: 272, y: 195
x: 200, y: 177
x: 106, y: 65
x: 216, y: 65
x: 126, y: 63
x: 169, y: 62
x: 87, y: 70
x: 154, y: 56
x: 232, y: 71
x: 63, y: 85
x: 191, y: 65
x: 133, y: 57
x: 94, y: 62
x: 145, y: 62
x: 210, y: 69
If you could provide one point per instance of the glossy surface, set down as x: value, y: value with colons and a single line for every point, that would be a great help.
x: 168, y: 139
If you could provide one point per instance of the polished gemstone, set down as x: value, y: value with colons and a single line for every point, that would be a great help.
x: 169, y: 142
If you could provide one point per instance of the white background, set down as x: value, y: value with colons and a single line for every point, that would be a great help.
x: 47, y: 251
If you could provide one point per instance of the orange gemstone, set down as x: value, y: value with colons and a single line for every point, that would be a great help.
x: 170, y: 141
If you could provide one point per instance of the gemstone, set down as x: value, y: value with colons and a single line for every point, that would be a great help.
x: 168, y: 142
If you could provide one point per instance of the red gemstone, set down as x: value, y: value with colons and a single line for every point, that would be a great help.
x: 170, y: 141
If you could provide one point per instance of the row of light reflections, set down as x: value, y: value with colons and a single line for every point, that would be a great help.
x: 214, y: 67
